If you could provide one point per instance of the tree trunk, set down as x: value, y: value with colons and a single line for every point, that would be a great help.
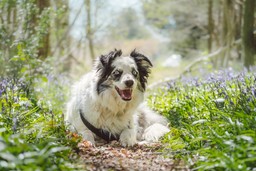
x: 238, y: 28
x: 44, y: 43
x: 89, y: 33
x: 210, y: 26
x: 247, y: 33
x: 228, y: 35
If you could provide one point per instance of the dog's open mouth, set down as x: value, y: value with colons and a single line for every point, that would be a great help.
x: 125, y: 94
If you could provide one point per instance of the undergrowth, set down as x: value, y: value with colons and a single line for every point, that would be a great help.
x: 212, y: 120
x: 32, y: 132
x: 33, y: 135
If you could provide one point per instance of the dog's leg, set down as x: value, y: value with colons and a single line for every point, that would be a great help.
x: 77, y: 126
x: 154, y: 132
x: 155, y: 125
x: 75, y: 123
x: 85, y: 133
x: 128, y: 135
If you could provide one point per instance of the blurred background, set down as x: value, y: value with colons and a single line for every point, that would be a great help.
x: 65, y: 36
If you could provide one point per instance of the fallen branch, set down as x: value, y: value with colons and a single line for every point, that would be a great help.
x: 198, y: 60
x: 188, y: 68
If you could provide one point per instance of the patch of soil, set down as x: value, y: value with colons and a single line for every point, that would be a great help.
x: 115, y: 157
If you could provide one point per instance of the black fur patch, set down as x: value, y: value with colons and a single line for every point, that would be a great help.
x: 144, y: 65
x: 105, y: 69
x: 117, y: 74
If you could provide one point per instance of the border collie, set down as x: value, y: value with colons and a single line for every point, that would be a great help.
x: 107, y: 102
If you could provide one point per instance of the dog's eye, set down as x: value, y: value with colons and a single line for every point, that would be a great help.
x: 134, y: 73
x: 117, y: 73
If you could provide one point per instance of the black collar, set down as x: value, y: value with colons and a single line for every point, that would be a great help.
x: 99, y: 132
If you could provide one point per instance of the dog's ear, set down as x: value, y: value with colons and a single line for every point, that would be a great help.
x: 104, y: 68
x: 104, y: 61
x: 141, y: 59
x: 107, y: 59
x: 103, y: 64
x: 144, y: 65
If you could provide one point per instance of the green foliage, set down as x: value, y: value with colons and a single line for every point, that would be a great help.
x: 32, y: 135
x: 127, y: 26
x: 159, y: 17
x: 17, y: 154
x: 21, y: 29
x: 212, y: 120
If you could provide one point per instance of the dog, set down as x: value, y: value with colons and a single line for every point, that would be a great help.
x: 107, y: 103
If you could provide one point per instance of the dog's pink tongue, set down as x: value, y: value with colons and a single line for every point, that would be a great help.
x: 126, y: 94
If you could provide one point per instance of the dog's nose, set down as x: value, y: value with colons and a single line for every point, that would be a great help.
x: 129, y: 83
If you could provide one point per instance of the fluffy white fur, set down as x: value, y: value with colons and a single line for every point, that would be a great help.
x: 132, y: 120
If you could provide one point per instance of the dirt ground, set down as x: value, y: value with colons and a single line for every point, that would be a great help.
x: 115, y: 157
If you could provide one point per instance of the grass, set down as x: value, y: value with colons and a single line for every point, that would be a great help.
x: 212, y: 119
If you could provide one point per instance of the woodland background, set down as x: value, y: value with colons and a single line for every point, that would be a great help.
x: 70, y: 34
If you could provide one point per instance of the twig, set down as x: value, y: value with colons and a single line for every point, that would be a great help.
x: 187, y: 68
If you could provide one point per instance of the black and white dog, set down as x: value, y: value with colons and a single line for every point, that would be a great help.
x: 107, y: 102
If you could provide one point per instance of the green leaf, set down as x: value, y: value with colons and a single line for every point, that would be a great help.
x: 44, y: 79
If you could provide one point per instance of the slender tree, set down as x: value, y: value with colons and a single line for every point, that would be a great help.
x: 89, y: 32
x: 210, y: 26
x: 44, y: 43
x: 248, y: 51
x: 228, y: 36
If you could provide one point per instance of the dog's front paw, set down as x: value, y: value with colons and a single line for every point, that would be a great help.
x: 128, y: 137
x: 88, y: 136
x: 154, y: 132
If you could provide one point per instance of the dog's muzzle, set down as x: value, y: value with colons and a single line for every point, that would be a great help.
x: 125, y: 94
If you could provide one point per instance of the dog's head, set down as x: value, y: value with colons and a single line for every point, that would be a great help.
x: 123, y: 74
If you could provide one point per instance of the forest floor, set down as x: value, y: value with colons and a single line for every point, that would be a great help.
x: 115, y: 157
